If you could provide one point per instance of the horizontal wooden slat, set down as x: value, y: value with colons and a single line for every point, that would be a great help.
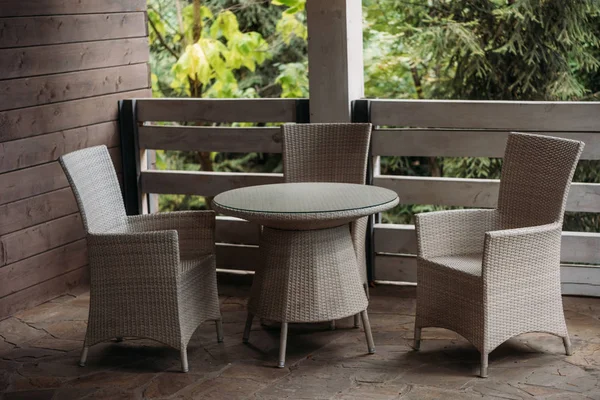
x: 56, y: 117
x: 223, y: 139
x: 463, y: 143
x: 38, y: 294
x: 236, y: 231
x: 23, y: 153
x: 27, y: 92
x: 580, y: 247
x: 53, y: 59
x: 31, y: 181
x: 474, y: 192
x: 11, y: 8
x: 404, y: 269
x: 217, y: 110
x: 44, y: 266
x: 43, y: 178
x: 237, y: 257
x: 577, y: 247
x: 35, y: 31
x: 498, y: 115
x: 35, y: 210
x: 395, y: 268
x: 442, y: 191
x: 395, y: 238
x: 580, y: 290
x: 28, y: 242
x: 582, y: 274
x: 202, y: 183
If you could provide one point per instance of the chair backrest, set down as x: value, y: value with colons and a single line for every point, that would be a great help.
x: 536, y: 177
x: 326, y: 152
x: 94, y: 181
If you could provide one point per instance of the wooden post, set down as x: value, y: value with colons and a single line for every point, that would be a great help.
x: 134, y: 159
x: 361, y: 112
x: 335, y: 59
x: 127, y: 131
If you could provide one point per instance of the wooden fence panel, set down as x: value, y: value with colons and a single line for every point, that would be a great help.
x: 16, y: 93
x: 542, y: 116
x: 483, y: 193
x: 53, y: 59
x: 462, y: 143
x: 44, y: 30
x: 217, y: 110
x: 202, y: 183
x: 200, y: 138
x: 14, y: 8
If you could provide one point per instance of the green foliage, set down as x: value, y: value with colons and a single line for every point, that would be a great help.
x: 434, y: 49
x: 482, y: 49
x: 293, y: 80
x: 225, y: 48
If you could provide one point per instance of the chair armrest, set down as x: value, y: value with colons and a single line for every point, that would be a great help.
x: 516, y: 257
x: 196, y: 229
x: 445, y: 233
x: 142, y: 256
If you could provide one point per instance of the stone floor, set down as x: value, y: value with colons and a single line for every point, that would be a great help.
x: 40, y: 349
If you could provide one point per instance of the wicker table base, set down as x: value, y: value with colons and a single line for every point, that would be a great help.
x: 307, y: 276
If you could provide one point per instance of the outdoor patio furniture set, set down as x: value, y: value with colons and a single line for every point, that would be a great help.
x: 486, y: 274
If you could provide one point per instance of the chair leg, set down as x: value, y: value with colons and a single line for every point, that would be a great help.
x: 184, y: 360
x: 84, y: 354
x: 332, y: 325
x: 246, y: 336
x: 484, y: 366
x: 356, y: 320
x: 567, y: 343
x: 368, y: 334
x: 219, y: 325
x: 417, y: 343
x: 282, y: 344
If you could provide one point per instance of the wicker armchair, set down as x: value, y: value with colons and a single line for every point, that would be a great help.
x: 331, y: 153
x: 152, y: 276
x: 490, y: 275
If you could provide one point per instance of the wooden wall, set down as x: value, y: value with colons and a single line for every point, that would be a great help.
x: 64, y: 64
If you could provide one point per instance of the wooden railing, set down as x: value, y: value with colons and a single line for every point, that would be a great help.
x: 412, y: 128
x: 478, y: 129
x: 237, y: 240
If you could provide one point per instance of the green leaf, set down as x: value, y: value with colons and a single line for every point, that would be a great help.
x: 298, y: 5
x: 290, y: 27
x: 225, y: 25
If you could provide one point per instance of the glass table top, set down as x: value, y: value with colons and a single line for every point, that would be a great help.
x: 298, y: 198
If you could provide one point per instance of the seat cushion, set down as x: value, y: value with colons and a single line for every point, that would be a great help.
x: 191, y: 263
x: 468, y: 263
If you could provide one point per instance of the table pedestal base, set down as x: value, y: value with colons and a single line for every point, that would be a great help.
x: 307, y: 276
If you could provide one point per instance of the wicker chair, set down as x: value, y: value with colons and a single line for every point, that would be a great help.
x: 152, y: 276
x: 490, y: 275
x: 331, y: 153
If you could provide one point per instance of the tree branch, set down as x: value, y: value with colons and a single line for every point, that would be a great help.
x: 417, y: 81
x: 162, y: 41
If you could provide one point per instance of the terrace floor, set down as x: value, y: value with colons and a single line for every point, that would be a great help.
x: 40, y: 350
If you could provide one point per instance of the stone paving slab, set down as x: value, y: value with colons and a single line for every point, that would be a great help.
x: 39, y: 351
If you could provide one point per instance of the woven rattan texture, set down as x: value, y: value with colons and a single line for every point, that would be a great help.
x: 330, y: 153
x: 94, y: 182
x: 493, y: 274
x: 307, y: 276
x: 152, y: 276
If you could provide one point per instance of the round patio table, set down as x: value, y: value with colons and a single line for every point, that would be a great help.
x: 309, y: 270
